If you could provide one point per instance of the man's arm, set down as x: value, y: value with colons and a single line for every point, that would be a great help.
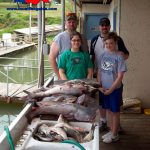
x: 122, y: 49
x: 126, y: 56
x: 52, y: 58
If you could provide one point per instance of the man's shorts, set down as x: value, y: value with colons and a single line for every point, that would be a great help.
x: 121, y: 99
x: 112, y: 101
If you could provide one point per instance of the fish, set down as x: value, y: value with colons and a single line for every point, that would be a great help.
x: 76, y: 135
x: 60, y: 132
x: 58, y: 97
x: 92, y: 106
x: 92, y: 83
x: 70, y: 111
x: 80, y: 87
x: 75, y: 81
x: 80, y: 99
x: 89, y: 137
x: 56, y: 90
x: 44, y: 129
x: 53, y: 98
x: 90, y: 99
x: 78, y: 81
x: 80, y: 129
x: 91, y: 90
x: 45, y: 139
x: 49, y: 103
x: 62, y: 122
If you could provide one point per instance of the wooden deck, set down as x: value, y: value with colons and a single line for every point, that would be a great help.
x: 13, y: 89
x: 136, y: 135
x: 4, y: 51
x: 49, y: 30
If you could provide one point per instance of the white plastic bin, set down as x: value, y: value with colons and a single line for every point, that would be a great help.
x: 6, y: 37
x: 31, y: 144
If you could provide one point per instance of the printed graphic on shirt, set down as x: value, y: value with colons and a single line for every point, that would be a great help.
x: 108, y: 65
x: 76, y: 60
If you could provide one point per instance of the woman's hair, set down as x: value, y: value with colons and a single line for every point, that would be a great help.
x: 111, y: 35
x: 74, y: 33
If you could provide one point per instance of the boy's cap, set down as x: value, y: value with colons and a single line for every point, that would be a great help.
x: 71, y: 15
x: 104, y: 20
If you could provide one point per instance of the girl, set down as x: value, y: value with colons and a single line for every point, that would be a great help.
x: 111, y: 68
x: 75, y: 63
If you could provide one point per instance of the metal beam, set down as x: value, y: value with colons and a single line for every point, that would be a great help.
x: 74, y: 6
x: 63, y: 14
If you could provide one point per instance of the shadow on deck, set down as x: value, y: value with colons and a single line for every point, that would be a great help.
x: 136, y: 135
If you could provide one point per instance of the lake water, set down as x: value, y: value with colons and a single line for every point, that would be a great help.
x: 8, y: 112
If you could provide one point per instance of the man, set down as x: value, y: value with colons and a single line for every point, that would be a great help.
x: 61, y: 42
x: 97, y: 48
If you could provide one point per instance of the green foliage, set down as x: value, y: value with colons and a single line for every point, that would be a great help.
x: 13, y: 19
x: 56, y: 20
x: 7, y: 23
x: 18, y: 26
x: 8, y: 15
x: 2, y: 19
x: 8, y: 30
x: 2, y: 1
x: 26, y: 17
x: 50, y: 38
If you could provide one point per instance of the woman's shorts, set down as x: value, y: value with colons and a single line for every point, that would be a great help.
x: 112, y: 101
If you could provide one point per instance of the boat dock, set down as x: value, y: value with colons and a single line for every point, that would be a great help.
x: 14, y: 92
x: 7, y: 51
x: 49, y: 31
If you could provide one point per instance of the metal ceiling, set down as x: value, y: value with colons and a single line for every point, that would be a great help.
x: 79, y: 2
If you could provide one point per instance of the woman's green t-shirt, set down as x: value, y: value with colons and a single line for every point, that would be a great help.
x: 75, y: 64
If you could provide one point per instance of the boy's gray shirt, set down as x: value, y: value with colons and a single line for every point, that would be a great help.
x: 110, y: 65
x: 62, y: 40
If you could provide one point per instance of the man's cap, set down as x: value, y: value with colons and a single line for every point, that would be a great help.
x: 104, y: 20
x: 71, y: 16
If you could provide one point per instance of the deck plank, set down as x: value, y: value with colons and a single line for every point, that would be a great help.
x: 25, y: 87
x: 4, y: 87
x: 136, y: 133
x: 14, y: 89
x: 11, y: 89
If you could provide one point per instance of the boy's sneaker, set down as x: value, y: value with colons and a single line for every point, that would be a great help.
x: 106, y: 135
x: 111, y: 139
x: 120, y: 130
x: 103, y: 126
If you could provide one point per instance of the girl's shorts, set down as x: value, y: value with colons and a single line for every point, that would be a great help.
x: 112, y: 101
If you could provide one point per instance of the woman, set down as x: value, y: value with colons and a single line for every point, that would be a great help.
x: 75, y: 63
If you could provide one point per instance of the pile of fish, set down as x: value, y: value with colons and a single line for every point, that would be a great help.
x: 62, y: 130
x: 71, y: 99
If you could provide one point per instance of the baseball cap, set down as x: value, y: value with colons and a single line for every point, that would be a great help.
x: 71, y: 15
x: 104, y: 20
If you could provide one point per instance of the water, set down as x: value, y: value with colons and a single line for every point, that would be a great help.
x: 8, y: 112
x: 16, y: 73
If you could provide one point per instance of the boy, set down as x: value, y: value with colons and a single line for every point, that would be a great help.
x: 111, y: 68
